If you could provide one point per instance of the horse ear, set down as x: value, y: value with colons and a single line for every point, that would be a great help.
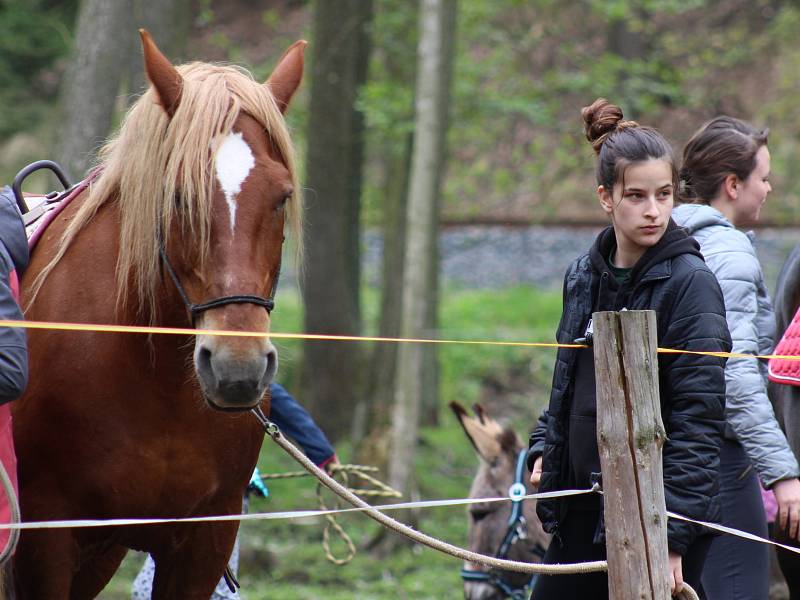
x: 285, y: 79
x: 165, y: 78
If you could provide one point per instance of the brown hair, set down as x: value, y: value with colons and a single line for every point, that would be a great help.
x: 619, y: 143
x: 722, y: 147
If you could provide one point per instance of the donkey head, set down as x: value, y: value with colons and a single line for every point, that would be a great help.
x: 498, y: 449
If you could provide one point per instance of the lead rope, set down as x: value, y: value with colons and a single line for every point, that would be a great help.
x: 488, y: 561
x: 358, y: 471
x: 508, y: 565
x: 331, y: 523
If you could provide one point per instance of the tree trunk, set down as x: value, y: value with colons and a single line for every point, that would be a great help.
x: 169, y: 26
x: 393, y: 145
x: 430, y: 359
x: 376, y: 405
x: 332, y: 370
x: 92, y: 82
x: 420, y: 241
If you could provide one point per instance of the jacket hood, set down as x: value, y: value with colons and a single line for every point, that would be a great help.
x: 674, y: 242
x: 12, y: 230
x: 694, y: 217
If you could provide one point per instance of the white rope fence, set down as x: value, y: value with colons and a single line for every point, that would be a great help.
x: 279, y: 515
x: 376, y: 512
x: 307, y: 514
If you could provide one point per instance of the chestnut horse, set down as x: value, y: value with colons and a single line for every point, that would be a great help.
x: 499, y: 529
x: 183, y: 226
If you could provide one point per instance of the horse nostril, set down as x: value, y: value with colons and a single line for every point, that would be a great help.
x: 204, y: 361
x: 272, y: 365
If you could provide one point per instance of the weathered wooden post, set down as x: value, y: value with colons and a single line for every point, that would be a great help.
x: 630, y: 435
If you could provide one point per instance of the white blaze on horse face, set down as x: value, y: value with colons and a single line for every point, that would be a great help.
x: 234, y: 162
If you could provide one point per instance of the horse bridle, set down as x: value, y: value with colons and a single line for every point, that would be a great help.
x: 196, y: 309
x: 516, y: 530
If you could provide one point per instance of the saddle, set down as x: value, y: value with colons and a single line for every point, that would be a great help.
x: 44, y: 208
x: 782, y: 370
x: 38, y: 211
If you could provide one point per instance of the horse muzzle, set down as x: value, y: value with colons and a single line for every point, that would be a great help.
x: 482, y: 590
x: 234, y: 381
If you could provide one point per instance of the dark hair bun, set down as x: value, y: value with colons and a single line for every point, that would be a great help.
x: 600, y: 120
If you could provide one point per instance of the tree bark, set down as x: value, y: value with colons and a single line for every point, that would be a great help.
x: 420, y: 241
x: 430, y: 359
x: 332, y: 371
x: 377, y: 404
x: 92, y: 82
x: 168, y: 23
x: 393, y: 145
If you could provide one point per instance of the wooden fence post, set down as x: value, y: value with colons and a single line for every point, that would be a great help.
x: 630, y: 435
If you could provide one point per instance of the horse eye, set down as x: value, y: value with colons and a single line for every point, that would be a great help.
x: 282, y: 202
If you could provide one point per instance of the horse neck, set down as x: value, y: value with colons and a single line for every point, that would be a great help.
x: 82, y: 287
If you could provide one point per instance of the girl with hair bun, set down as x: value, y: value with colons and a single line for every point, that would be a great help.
x: 725, y: 177
x: 643, y: 261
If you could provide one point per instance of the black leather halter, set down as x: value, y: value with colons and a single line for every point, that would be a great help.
x: 195, y: 309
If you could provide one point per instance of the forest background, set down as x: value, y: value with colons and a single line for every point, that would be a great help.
x: 501, y: 147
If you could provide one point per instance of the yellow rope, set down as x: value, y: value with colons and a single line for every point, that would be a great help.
x: 331, y: 523
x: 348, y: 338
x: 380, y: 489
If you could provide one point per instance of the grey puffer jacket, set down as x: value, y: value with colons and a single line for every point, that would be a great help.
x: 730, y: 255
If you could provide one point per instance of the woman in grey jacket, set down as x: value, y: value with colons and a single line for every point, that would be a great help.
x: 725, y: 177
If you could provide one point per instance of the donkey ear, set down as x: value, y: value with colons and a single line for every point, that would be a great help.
x: 286, y: 77
x: 165, y: 78
x: 483, y: 436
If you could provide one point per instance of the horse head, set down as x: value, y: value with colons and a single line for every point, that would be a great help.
x: 221, y: 232
x: 490, y: 523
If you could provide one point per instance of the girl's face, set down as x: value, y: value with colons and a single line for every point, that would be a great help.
x: 752, y: 192
x: 639, y: 206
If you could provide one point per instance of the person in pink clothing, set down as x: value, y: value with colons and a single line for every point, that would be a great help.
x: 13, y: 345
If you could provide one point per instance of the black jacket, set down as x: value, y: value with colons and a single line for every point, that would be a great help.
x: 671, y: 279
x: 13, y: 258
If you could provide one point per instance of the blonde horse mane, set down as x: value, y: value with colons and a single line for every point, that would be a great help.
x: 154, y: 161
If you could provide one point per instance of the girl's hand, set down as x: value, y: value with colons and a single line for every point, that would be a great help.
x: 675, y: 573
x: 536, y: 474
x: 787, y: 494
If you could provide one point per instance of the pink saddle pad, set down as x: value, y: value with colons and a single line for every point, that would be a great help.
x: 784, y: 370
x: 51, y: 210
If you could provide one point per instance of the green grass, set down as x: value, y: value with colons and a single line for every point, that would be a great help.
x: 284, y: 559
